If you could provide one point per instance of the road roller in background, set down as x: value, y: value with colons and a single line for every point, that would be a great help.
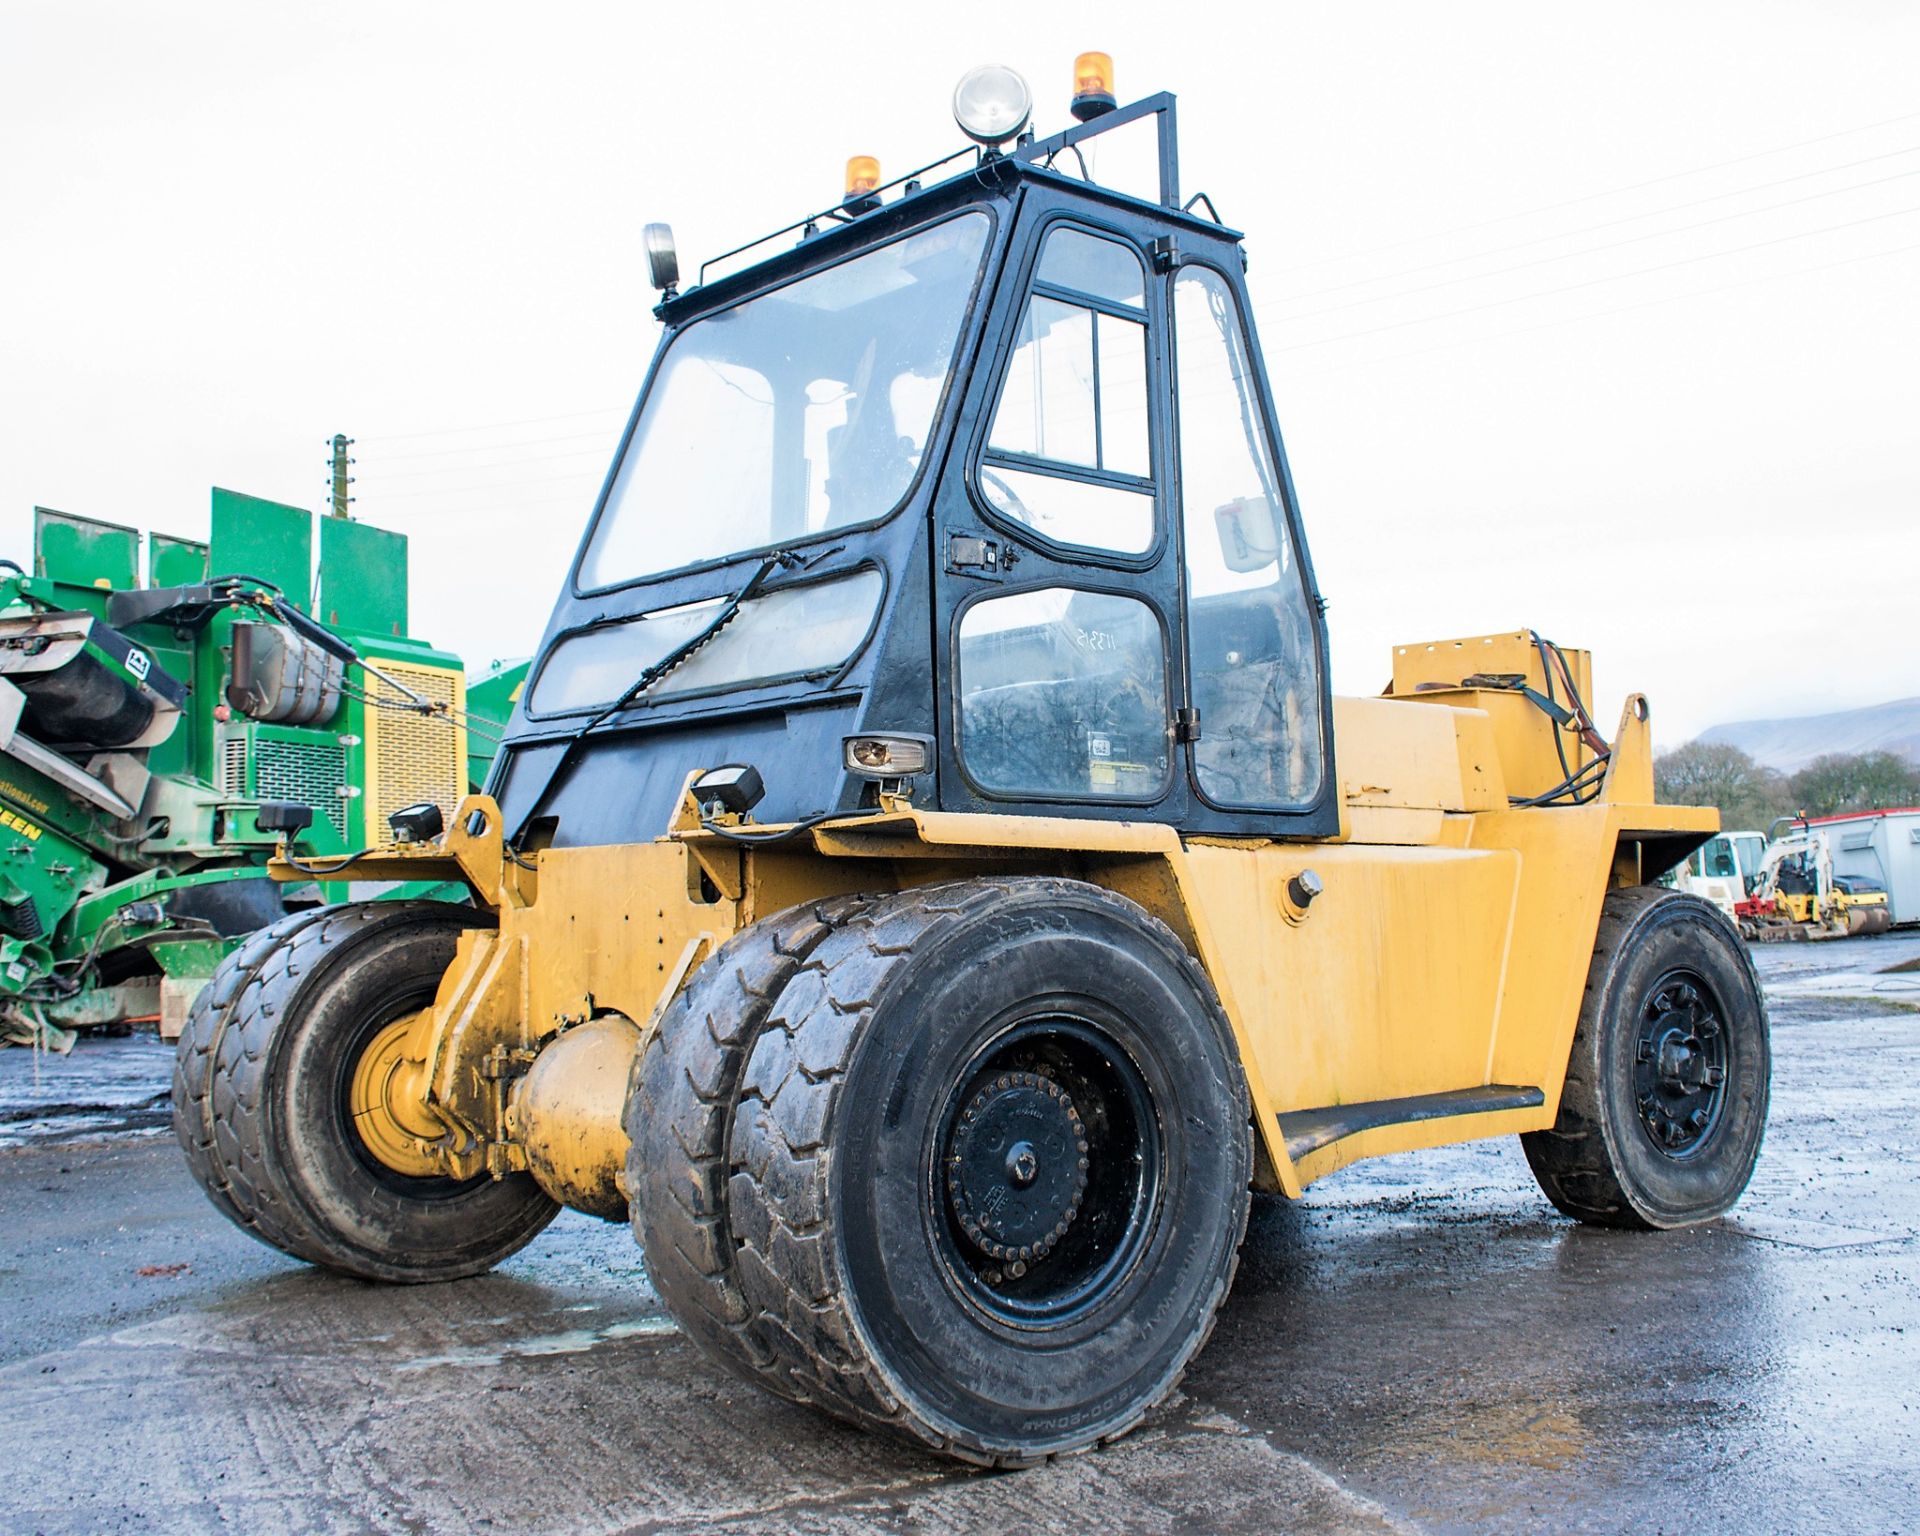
x: 928, y: 884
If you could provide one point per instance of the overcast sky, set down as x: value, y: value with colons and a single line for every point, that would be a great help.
x: 1603, y: 319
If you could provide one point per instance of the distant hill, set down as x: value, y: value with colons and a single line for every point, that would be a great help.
x: 1790, y: 745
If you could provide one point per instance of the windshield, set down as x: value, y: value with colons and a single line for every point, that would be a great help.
x: 786, y: 633
x: 805, y: 409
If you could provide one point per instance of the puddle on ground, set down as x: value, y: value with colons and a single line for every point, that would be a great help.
x: 572, y: 1341
x: 1792, y: 1233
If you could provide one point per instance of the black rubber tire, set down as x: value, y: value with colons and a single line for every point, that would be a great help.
x: 283, y: 1160
x: 199, y: 1042
x: 679, y: 1115
x: 1599, y: 1162
x: 835, y: 1205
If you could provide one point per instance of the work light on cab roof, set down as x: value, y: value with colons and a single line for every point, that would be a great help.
x: 663, y: 261
x: 992, y: 104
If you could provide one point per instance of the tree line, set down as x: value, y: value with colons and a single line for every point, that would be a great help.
x: 1750, y: 794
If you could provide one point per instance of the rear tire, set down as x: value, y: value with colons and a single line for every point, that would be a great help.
x: 990, y: 1169
x: 1665, y: 1103
x: 272, y: 1064
x: 678, y: 1118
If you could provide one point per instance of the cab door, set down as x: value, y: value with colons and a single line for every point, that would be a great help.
x: 1056, y: 618
x: 1260, y: 746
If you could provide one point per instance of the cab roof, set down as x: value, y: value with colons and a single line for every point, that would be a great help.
x: 990, y: 176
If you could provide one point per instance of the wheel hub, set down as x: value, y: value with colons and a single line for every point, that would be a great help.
x: 1680, y: 1066
x: 387, y: 1118
x: 1017, y: 1167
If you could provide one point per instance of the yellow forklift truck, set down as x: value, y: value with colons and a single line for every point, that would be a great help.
x: 927, y: 883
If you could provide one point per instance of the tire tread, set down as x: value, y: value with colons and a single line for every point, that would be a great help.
x: 198, y: 1048
x: 1575, y: 1161
x: 782, y: 1161
x: 222, y: 1080
x: 679, y: 1114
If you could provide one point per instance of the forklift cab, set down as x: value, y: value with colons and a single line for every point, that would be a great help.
x: 979, y: 486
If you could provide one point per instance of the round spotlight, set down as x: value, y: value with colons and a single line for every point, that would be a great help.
x: 992, y: 104
x: 663, y: 261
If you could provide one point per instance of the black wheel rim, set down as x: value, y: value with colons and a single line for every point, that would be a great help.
x: 1680, y: 1066
x: 1047, y: 1171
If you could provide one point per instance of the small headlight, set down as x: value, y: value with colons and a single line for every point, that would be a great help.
x: 289, y: 817
x: 420, y: 823
x: 992, y: 104
x: 887, y: 757
x: 735, y: 788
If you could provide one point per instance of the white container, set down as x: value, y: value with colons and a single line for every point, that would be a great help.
x: 1883, y: 846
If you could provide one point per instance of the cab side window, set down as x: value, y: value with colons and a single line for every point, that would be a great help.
x: 1069, y: 453
x: 1254, y: 665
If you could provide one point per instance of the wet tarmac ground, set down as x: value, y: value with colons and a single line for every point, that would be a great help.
x: 1421, y: 1344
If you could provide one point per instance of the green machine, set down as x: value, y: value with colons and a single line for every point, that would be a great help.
x: 161, y: 730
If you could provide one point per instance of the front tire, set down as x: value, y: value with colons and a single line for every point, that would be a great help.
x: 679, y: 1115
x: 990, y: 1169
x: 1667, y: 1088
x: 264, y: 1104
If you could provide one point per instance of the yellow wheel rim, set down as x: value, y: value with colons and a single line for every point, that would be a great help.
x: 388, y: 1115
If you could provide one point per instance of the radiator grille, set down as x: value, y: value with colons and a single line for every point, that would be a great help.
x: 413, y: 758
x: 308, y: 772
x: 233, y: 767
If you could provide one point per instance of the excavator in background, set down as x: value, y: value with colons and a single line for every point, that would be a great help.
x: 159, y: 737
x: 1796, y: 895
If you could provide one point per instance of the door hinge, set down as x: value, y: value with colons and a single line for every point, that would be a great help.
x: 1166, y: 253
x: 1186, y: 724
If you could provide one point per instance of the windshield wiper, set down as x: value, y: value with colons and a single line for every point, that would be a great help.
x: 729, y: 610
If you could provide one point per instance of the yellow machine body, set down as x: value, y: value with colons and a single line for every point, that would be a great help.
x: 1841, y: 914
x: 1428, y: 994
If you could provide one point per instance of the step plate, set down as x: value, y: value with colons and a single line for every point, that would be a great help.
x: 1308, y: 1130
